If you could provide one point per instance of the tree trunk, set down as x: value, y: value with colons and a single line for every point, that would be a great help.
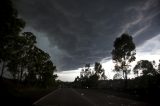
x: 123, y: 74
x: 126, y: 75
x: 2, y: 71
x: 126, y: 80
x: 18, y: 76
x: 21, y: 74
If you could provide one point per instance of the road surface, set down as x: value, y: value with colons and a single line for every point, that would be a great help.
x: 84, y: 97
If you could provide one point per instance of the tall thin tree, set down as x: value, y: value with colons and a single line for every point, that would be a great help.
x: 123, y: 54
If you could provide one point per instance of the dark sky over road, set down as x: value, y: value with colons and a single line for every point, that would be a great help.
x: 76, y: 32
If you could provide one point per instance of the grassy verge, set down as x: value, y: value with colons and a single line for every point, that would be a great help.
x: 10, y: 94
x: 151, y: 100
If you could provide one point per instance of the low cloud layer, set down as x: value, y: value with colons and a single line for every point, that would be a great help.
x: 76, y: 32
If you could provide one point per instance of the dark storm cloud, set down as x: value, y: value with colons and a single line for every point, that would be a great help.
x: 83, y: 31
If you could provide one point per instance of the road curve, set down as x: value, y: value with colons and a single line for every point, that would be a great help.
x: 83, y: 97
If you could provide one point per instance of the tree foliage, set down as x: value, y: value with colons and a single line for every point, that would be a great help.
x: 123, y: 53
x: 89, y: 77
x: 19, y: 54
x: 10, y: 28
x: 145, y: 67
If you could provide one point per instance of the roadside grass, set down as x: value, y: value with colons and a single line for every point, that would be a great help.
x: 15, y: 94
x: 35, y: 93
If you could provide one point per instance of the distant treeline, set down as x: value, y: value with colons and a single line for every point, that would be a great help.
x: 88, y: 78
x: 145, y: 84
x: 123, y: 54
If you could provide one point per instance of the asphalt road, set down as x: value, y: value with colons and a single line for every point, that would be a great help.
x: 84, y: 97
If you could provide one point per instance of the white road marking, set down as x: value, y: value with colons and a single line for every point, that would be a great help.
x: 46, y: 96
x: 84, y: 97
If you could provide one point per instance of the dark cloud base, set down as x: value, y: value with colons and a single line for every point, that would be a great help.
x: 84, y: 30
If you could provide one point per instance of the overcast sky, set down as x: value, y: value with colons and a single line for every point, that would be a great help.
x: 76, y: 32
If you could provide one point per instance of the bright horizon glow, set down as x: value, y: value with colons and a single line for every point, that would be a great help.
x: 150, y: 50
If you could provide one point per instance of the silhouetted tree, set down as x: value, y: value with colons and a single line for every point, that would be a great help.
x: 88, y: 77
x: 99, y: 71
x: 31, y: 63
x: 10, y: 27
x: 146, y: 68
x: 40, y: 67
x: 123, y: 54
x: 21, y: 55
x: 47, y: 74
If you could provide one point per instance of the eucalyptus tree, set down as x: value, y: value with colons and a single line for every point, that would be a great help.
x: 89, y: 77
x: 123, y: 54
x: 144, y: 67
x: 40, y: 67
x: 20, y: 55
x: 99, y: 71
x: 10, y: 27
x: 18, y: 51
x: 47, y: 76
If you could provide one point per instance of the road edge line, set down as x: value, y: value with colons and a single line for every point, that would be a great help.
x: 45, y: 96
